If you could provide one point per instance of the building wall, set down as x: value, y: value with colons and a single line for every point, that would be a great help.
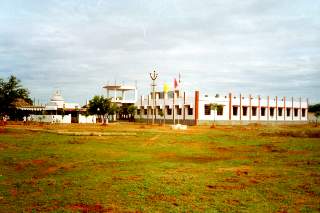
x: 87, y: 119
x: 278, y: 105
x: 50, y: 118
x: 60, y: 119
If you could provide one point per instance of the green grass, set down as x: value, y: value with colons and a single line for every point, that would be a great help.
x: 227, y: 169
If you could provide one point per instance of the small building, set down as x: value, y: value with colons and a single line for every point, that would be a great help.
x: 194, y: 108
x: 59, y: 111
x: 123, y: 96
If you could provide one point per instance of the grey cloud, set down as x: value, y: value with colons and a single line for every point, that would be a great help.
x: 242, y: 46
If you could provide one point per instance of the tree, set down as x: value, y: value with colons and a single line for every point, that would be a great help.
x: 316, y: 110
x: 161, y: 113
x: 113, y: 109
x: 102, y: 107
x: 215, y: 107
x: 132, y: 109
x: 11, y: 93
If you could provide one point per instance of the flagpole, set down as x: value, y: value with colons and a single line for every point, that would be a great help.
x: 173, y: 106
x: 179, y: 95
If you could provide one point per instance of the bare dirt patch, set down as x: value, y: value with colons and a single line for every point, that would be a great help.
x: 227, y: 187
x: 272, y: 148
x: 200, y: 159
x: 2, y: 130
x: 293, y: 133
x: 232, y: 202
x: 56, y: 168
x: 297, y: 163
x: 239, y: 169
x: 163, y: 197
x: 127, y: 178
x: 23, y: 164
x: 3, y: 146
x: 191, y: 159
x: 86, y: 208
x: 261, y: 177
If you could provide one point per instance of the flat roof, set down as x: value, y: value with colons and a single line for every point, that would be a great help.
x: 120, y: 87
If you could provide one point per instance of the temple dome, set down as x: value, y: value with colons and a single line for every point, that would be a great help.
x: 56, y: 97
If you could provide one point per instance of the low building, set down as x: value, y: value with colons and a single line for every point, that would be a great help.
x: 123, y: 96
x: 192, y: 109
x: 59, y: 111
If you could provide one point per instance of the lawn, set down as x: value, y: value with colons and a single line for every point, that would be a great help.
x: 225, y: 169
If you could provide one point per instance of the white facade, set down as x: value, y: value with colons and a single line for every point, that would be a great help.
x: 56, y: 108
x: 50, y: 118
x: 91, y: 119
x: 57, y: 102
x: 195, y: 108
x: 121, y: 93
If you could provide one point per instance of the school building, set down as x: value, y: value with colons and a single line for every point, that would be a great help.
x: 195, y: 108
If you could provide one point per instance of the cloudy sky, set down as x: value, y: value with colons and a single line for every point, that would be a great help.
x: 266, y: 47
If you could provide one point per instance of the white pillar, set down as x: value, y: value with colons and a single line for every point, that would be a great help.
x: 123, y: 95
x: 135, y: 95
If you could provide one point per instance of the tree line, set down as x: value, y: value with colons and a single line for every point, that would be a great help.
x: 12, y: 93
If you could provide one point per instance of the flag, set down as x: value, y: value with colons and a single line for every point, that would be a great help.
x: 166, y: 88
x: 175, y: 83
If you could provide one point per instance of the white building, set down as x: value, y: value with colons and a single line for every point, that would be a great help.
x: 195, y: 108
x: 58, y: 111
x: 123, y: 96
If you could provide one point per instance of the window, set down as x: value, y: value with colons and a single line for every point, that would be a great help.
x: 190, y: 111
x: 179, y: 110
x: 145, y: 111
x: 160, y: 111
x: 244, y: 111
x: 235, y: 110
x: 280, y: 111
x: 138, y: 111
x: 207, y: 109
x: 271, y: 111
x: 220, y: 110
x: 254, y: 111
x: 263, y: 111
x: 295, y: 112
x: 303, y: 112
x: 169, y: 111
x: 288, y: 112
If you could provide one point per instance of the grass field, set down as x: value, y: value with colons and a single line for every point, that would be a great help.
x: 226, y: 169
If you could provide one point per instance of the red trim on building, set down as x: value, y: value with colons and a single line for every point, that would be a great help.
x: 184, y: 108
x: 230, y: 106
x: 196, y: 108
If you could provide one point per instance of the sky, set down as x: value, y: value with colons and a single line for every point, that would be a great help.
x: 258, y: 47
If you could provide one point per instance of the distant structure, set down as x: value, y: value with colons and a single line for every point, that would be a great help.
x: 193, y: 109
x: 58, y: 111
x: 123, y: 96
x: 117, y: 93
